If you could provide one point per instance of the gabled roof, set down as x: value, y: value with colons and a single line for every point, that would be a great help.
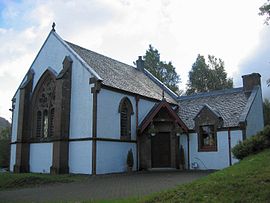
x: 120, y: 75
x: 155, y: 110
x: 231, y: 104
x: 114, y: 74
x: 209, y: 108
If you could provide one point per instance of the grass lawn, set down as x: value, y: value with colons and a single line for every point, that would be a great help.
x: 247, y: 181
x: 22, y: 180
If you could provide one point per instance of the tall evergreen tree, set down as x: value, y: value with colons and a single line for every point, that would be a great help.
x: 205, y: 77
x: 162, y: 70
x: 218, y: 74
x: 265, y: 11
x: 266, y: 112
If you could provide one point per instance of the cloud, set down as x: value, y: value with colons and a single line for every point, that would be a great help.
x: 259, y: 61
x: 24, y: 26
x: 123, y: 29
x: 7, y: 83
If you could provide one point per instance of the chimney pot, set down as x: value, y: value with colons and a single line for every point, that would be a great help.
x: 140, y: 63
x: 250, y: 81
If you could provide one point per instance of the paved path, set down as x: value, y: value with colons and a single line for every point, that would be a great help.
x: 103, y: 187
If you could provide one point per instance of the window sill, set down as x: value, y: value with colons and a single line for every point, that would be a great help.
x: 208, y: 149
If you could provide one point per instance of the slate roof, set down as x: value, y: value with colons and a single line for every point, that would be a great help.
x: 120, y: 75
x: 230, y: 105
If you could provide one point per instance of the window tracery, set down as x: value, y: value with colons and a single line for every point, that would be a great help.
x: 45, y: 109
x: 125, y: 110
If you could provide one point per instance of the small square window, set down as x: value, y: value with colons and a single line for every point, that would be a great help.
x: 207, y: 138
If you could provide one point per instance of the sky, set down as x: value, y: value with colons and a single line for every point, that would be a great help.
x: 123, y: 29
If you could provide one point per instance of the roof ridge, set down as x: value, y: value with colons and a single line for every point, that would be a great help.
x: 211, y: 93
x: 161, y: 84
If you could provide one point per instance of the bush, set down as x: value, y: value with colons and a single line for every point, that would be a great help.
x: 130, y: 160
x: 253, y: 145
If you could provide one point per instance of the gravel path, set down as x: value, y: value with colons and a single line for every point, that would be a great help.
x: 112, y: 186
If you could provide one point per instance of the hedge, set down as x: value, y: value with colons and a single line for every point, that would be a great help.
x: 253, y: 145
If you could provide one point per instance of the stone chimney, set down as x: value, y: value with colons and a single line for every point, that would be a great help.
x: 250, y: 81
x: 140, y: 63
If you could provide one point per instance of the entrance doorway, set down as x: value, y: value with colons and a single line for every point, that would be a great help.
x: 161, y: 151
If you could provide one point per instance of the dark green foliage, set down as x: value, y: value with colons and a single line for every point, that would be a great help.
x: 265, y: 11
x: 130, y: 160
x: 205, y: 77
x: 266, y: 112
x: 4, y: 147
x: 253, y: 144
x: 162, y: 70
x: 198, y: 76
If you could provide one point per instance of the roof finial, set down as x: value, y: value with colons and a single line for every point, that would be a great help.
x: 53, y: 26
x: 163, y: 95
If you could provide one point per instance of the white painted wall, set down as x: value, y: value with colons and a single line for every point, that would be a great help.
x: 12, y: 157
x: 80, y: 157
x: 144, y: 107
x: 40, y: 159
x: 52, y: 55
x: 108, y: 116
x: 15, y: 117
x: 112, y: 156
x: 81, y: 103
x: 210, y: 160
x: 236, y: 137
x: 255, y: 121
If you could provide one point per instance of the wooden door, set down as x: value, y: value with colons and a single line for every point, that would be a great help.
x: 161, y: 153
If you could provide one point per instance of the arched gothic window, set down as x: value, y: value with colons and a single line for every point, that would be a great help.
x: 125, y: 110
x: 44, y: 107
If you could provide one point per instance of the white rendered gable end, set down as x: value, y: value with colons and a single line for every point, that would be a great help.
x: 84, y: 64
x: 251, y: 99
x: 70, y: 50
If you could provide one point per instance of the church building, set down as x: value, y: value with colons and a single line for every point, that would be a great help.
x: 77, y: 111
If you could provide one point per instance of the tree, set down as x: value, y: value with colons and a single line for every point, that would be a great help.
x: 4, y: 146
x: 266, y: 112
x: 218, y: 74
x: 198, y: 75
x: 265, y: 10
x: 162, y: 70
x: 205, y: 77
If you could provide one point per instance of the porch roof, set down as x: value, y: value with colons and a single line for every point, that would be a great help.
x: 155, y: 110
